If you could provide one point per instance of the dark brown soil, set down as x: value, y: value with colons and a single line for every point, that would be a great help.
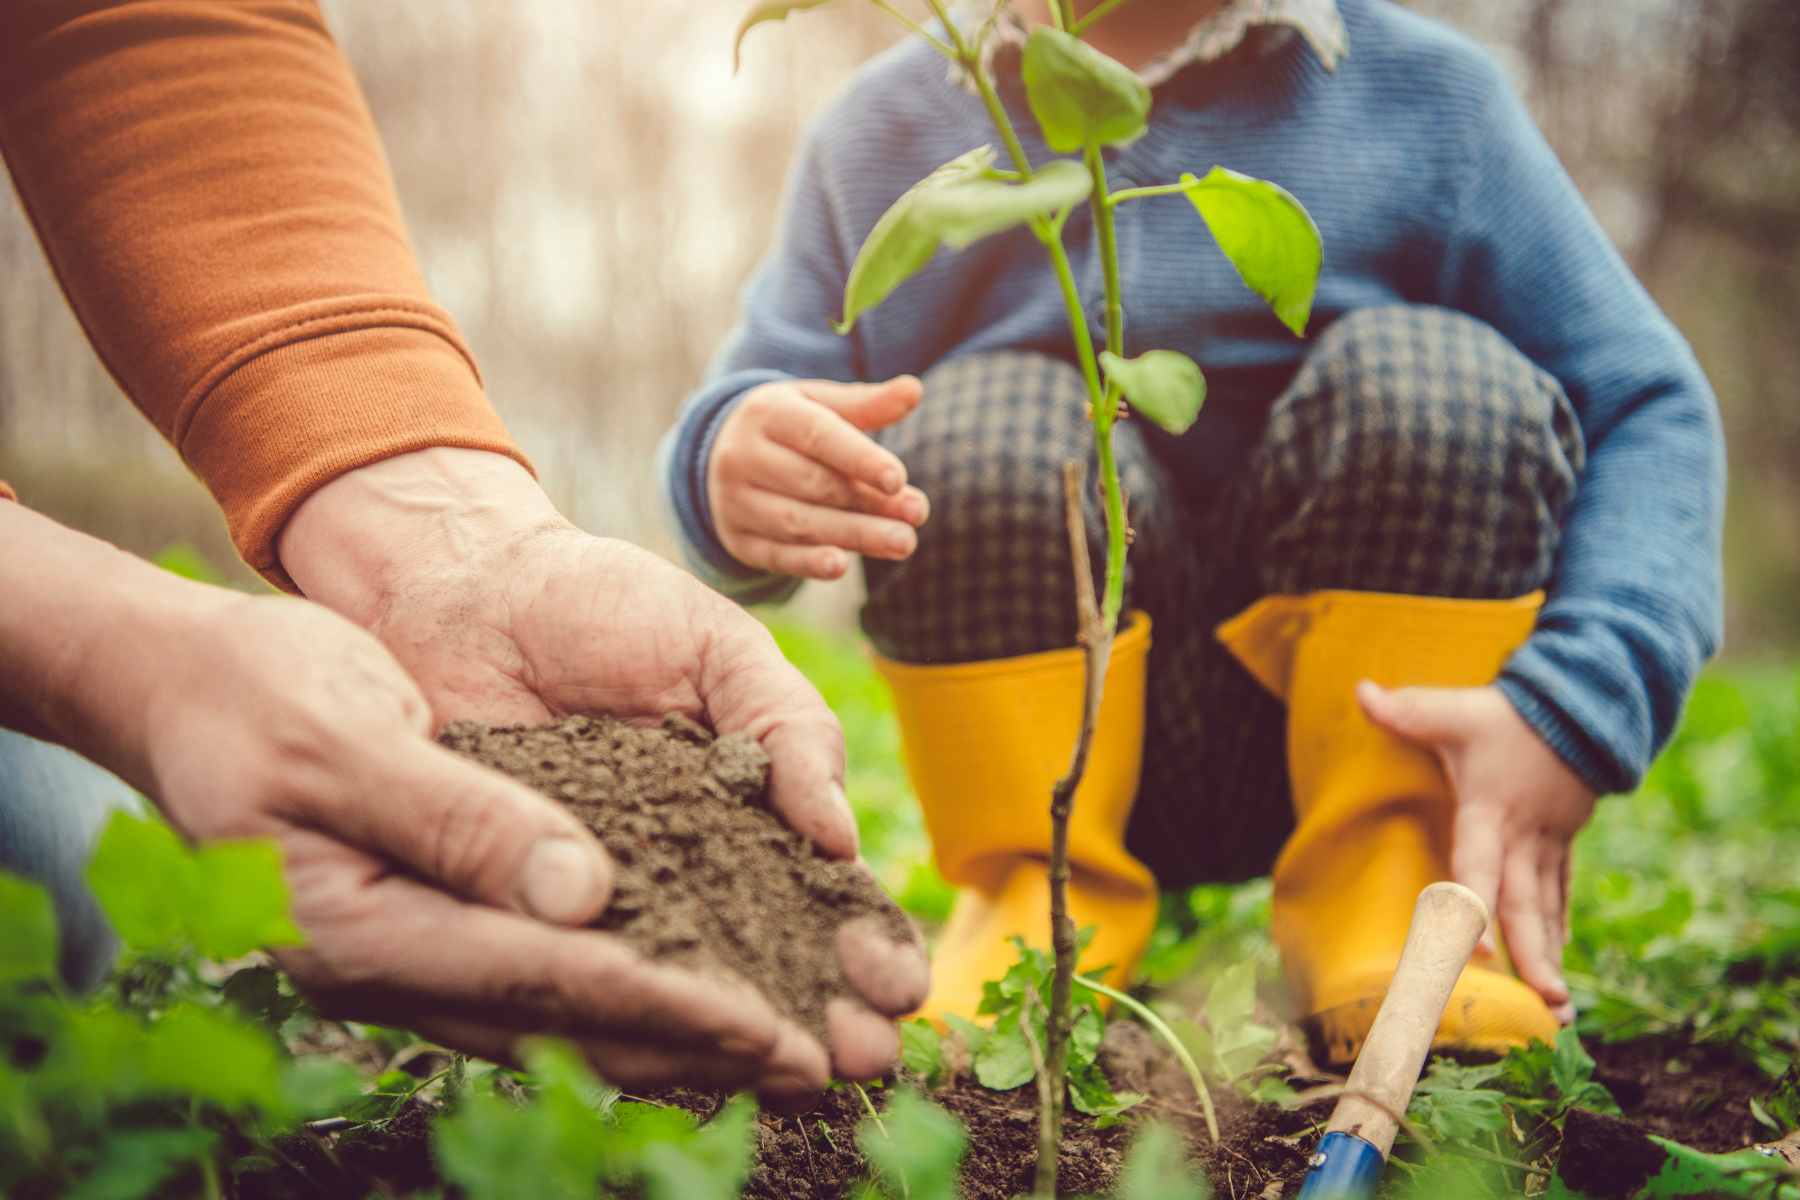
x: 707, y: 877
x: 813, y: 1157
x: 1697, y: 1095
x: 1605, y: 1156
x: 1262, y: 1153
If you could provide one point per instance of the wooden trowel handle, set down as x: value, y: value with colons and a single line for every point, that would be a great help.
x: 1447, y: 922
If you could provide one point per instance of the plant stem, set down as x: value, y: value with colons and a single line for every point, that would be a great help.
x: 1096, y: 620
x: 1160, y: 1028
x: 934, y: 42
x: 1078, y: 329
x: 1144, y: 193
x: 905, y: 1188
x: 1100, y: 10
x: 1107, y: 238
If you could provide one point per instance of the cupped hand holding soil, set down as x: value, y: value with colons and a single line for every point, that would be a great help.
x: 707, y: 880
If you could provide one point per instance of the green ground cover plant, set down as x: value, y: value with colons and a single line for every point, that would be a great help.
x: 197, y: 1072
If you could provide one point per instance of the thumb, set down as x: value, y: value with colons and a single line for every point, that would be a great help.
x: 476, y: 833
x: 868, y: 406
x: 1430, y: 717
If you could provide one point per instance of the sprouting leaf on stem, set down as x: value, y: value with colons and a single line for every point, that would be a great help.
x: 1080, y: 96
x: 922, y: 1050
x: 915, y: 1148
x: 164, y: 897
x: 1164, y: 385
x: 1267, y: 234
x: 28, y: 951
x: 777, y: 10
x: 1156, y: 1169
x: 957, y: 204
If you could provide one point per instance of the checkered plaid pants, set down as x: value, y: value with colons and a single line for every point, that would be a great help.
x: 1415, y: 451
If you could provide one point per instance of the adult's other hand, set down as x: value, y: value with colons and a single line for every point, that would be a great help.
x: 430, y: 889
x: 504, y: 612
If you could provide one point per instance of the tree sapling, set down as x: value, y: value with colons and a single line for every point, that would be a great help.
x: 1084, y: 102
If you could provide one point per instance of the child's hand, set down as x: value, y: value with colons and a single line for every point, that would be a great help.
x: 795, y: 480
x: 1517, y: 809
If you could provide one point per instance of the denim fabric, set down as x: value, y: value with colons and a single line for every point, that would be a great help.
x: 53, y: 804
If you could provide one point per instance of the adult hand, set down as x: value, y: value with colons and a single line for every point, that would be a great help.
x: 1518, y: 807
x: 431, y: 889
x: 506, y: 613
x: 795, y: 480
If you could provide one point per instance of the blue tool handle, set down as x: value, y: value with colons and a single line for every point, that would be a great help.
x: 1345, y: 1168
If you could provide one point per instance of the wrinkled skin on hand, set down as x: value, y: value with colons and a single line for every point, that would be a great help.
x: 514, y: 616
x: 418, y: 877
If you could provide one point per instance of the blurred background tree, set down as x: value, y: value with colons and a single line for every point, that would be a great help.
x: 547, y: 152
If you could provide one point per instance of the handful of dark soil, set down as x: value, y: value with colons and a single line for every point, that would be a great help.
x: 707, y: 877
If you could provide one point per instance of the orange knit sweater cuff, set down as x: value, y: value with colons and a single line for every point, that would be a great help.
x: 289, y: 421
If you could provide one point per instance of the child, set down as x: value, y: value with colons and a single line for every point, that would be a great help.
x: 1423, y: 585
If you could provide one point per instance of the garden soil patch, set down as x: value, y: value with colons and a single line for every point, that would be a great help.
x: 1262, y: 1152
x: 1697, y: 1095
x: 706, y: 876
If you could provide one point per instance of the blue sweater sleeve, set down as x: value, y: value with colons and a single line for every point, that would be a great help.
x: 783, y: 332
x: 1635, y: 607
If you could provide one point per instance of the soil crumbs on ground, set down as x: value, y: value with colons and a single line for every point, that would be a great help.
x: 706, y: 876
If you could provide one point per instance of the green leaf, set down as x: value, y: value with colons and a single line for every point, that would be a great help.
x: 1156, y: 1169
x: 712, y: 1163
x: 137, y: 1162
x: 1004, y: 1061
x: 1164, y: 385
x: 143, y: 877
x: 957, y: 204
x: 221, y: 901
x: 776, y: 11
x: 1092, y: 1093
x: 186, y: 560
x: 972, y: 1036
x: 204, y: 1053
x: 1267, y: 234
x: 488, y: 1147
x: 1572, y: 1072
x: 1463, y: 1117
x: 1085, y: 1033
x: 244, y: 900
x: 922, y: 1050
x: 28, y: 949
x: 916, y: 1149
x: 1080, y: 96
x: 317, y: 1087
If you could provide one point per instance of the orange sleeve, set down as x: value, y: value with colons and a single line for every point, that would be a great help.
x: 212, y: 194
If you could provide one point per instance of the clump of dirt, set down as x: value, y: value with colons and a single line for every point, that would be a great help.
x: 1698, y: 1095
x: 707, y: 877
x: 1605, y: 1156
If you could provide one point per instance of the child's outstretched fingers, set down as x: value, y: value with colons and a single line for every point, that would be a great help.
x: 1518, y: 806
x: 795, y: 480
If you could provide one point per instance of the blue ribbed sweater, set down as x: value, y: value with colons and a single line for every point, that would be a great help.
x: 1430, y: 184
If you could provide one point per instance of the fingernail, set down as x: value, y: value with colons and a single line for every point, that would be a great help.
x: 560, y: 881
x: 892, y: 480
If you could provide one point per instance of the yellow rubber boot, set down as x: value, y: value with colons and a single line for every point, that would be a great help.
x: 1373, y: 813
x: 985, y: 742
